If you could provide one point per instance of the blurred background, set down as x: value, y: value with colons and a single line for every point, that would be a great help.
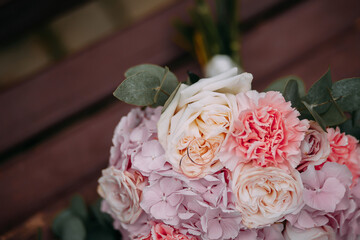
x: 61, y: 60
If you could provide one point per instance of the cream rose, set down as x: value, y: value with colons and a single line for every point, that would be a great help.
x: 197, y: 122
x: 122, y: 190
x: 265, y: 195
x: 315, y: 148
x: 316, y: 233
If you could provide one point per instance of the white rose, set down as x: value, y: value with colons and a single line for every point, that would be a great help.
x: 316, y: 233
x: 219, y: 64
x: 265, y: 195
x: 197, y: 121
x: 315, y: 148
x: 122, y: 190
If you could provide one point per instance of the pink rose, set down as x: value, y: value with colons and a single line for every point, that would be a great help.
x: 317, y: 233
x: 315, y: 148
x: 197, y: 121
x: 267, y: 132
x: 265, y: 195
x: 344, y: 150
x: 161, y: 231
x: 122, y: 190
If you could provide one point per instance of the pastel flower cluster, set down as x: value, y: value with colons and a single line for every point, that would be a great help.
x: 227, y: 162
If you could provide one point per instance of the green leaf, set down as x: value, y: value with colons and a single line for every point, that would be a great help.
x: 316, y: 116
x: 138, y: 89
x: 78, y: 207
x: 279, y: 85
x: 291, y: 93
x: 60, y: 220
x: 146, y: 83
x: 356, y: 118
x: 318, y: 97
x: 334, y: 116
x: 347, y: 91
x: 168, y: 101
x: 73, y: 229
x: 102, y: 218
x: 97, y: 232
x: 192, y: 78
x: 349, y: 128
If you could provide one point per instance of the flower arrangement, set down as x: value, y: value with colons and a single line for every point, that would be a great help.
x: 213, y: 159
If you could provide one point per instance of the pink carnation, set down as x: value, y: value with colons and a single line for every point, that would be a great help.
x: 161, y: 231
x: 266, y: 132
x: 344, y: 150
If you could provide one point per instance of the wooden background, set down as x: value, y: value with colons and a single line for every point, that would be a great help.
x: 56, y: 126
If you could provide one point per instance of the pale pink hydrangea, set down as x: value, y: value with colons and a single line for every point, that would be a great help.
x: 134, y: 137
x: 272, y: 232
x: 218, y: 225
x: 329, y: 201
x: 344, y: 150
x: 267, y: 132
x: 141, y: 227
x: 162, y: 199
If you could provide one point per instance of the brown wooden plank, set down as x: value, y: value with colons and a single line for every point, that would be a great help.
x: 41, y: 174
x: 280, y: 40
x: 44, y: 218
x: 343, y: 53
x: 83, y: 79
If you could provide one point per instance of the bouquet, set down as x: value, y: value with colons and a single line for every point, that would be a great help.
x: 213, y: 159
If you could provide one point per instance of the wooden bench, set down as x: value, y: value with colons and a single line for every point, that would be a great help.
x: 56, y: 127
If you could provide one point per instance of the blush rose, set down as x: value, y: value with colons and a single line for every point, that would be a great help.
x: 266, y: 195
x: 200, y: 116
x: 122, y: 190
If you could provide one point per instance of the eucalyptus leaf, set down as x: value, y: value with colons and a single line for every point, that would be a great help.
x: 356, y: 119
x: 146, y: 85
x: 280, y: 84
x: 291, y: 93
x: 169, y: 100
x: 60, y: 220
x: 347, y: 91
x: 349, y: 127
x: 315, y: 115
x: 334, y: 115
x: 78, y: 207
x: 73, y: 229
x: 102, y: 218
x: 317, y: 96
x: 97, y: 232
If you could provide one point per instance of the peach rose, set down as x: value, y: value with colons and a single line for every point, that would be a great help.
x: 316, y: 233
x: 122, y: 190
x: 315, y: 148
x: 265, y: 195
x: 197, y: 122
